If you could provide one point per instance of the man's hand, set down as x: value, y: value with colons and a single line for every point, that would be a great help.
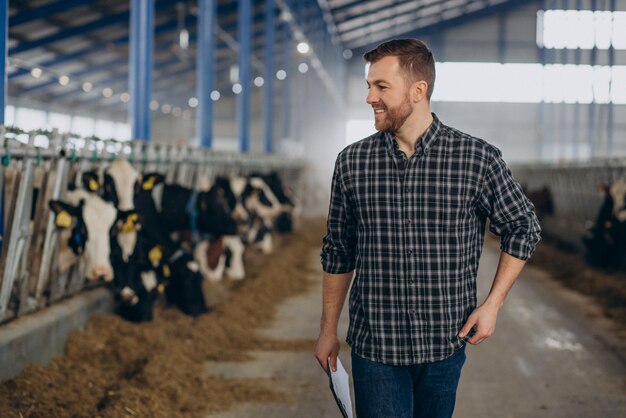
x: 327, y: 347
x: 484, y: 318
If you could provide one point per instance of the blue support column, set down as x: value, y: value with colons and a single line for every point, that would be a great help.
x: 268, y: 97
x: 245, y: 61
x: 140, y: 74
x: 205, y: 71
x: 285, y: 96
x: 4, y: 34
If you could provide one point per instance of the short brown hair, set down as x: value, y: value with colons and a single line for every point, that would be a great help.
x: 416, y: 60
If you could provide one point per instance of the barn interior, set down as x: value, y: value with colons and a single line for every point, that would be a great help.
x: 206, y: 133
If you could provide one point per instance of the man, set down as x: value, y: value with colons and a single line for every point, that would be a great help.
x: 407, y: 213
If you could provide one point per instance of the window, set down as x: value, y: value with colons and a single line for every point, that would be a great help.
x: 584, y: 29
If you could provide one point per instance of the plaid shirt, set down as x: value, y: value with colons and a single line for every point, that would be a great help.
x: 414, y: 230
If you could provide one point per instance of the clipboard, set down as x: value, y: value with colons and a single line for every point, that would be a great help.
x: 340, y: 388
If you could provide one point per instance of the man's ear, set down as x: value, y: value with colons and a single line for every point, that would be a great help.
x: 64, y: 213
x: 419, y: 91
x: 91, y: 181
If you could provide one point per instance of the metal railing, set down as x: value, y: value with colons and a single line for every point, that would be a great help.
x: 575, y: 189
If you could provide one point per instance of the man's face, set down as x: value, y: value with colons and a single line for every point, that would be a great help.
x: 388, y: 94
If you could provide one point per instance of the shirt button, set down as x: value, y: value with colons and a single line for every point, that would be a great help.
x: 408, y: 221
x: 411, y: 281
x: 412, y: 311
x: 409, y: 252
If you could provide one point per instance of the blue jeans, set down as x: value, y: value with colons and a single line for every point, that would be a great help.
x: 419, y: 391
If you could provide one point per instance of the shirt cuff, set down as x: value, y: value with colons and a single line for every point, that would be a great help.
x: 335, y: 263
x: 521, y: 247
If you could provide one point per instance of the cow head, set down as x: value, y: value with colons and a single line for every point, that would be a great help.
x: 90, y: 221
x: 214, y: 212
x: 121, y: 181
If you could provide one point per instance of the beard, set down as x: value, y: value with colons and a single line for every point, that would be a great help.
x: 394, y: 117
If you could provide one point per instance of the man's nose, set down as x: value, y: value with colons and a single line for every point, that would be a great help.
x: 372, y: 97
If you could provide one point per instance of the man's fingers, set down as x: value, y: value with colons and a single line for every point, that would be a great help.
x: 467, y: 327
x: 333, y: 361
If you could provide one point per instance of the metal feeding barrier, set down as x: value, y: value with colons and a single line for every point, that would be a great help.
x: 38, y: 166
x: 575, y: 190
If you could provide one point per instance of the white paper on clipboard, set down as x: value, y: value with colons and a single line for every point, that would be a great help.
x: 340, y: 387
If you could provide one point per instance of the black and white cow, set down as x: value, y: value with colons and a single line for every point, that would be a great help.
x: 89, y: 218
x: 183, y: 281
x: 163, y: 260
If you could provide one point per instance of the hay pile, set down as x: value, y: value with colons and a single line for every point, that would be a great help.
x: 119, y: 369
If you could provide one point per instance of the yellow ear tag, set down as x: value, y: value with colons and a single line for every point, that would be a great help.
x: 148, y: 184
x: 166, y: 271
x: 155, y: 255
x: 161, y: 288
x: 129, y: 225
x: 93, y: 185
x: 64, y: 219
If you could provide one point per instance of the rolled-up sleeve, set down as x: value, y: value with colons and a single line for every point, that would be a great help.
x: 512, y: 216
x: 339, y: 243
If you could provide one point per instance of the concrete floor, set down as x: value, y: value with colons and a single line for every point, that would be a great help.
x: 552, y: 355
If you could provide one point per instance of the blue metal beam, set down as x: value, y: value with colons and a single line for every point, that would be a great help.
x: 207, y: 20
x: 245, y: 64
x: 117, y: 18
x: 285, y: 93
x: 4, y: 33
x: 45, y: 11
x: 268, y: 91
x: 140, y: 75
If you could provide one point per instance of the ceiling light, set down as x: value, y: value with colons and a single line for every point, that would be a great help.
x: 215, y: 95
x: 281, y: 74
x: 193, y: 102
x: 183, y: 39
x: 177, y: 111
x: 107, y: 92
x: 259, y: 81
x: 36, y: 72
x: 125, y: 97
x: 303, y: 67
x: 154, y: 105
x: 87, y: 86
x: 64, y: 80
x: 303, y: 47
x: 237, y: 88
x: 347, y: 54
x: 166, y: 108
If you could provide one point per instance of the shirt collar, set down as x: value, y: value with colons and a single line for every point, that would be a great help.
x: 426, y: 141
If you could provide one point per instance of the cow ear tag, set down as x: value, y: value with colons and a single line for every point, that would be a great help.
x: 129, y: 225
x: 63, y: 219
x: 161, y: 288
x: 166, y: 271
x: 148, y: 184
x: 93, y: 185
x: 155, y: 255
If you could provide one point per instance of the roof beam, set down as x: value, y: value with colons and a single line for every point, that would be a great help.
x: 45, y: 11
x: 434, y: 24
x: 114, y: 19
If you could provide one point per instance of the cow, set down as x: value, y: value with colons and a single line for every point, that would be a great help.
x: 606, y: 239
x: 172, y: 268
x: 183, y: 280
x: 89, y: 218
x: 284, y: 221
